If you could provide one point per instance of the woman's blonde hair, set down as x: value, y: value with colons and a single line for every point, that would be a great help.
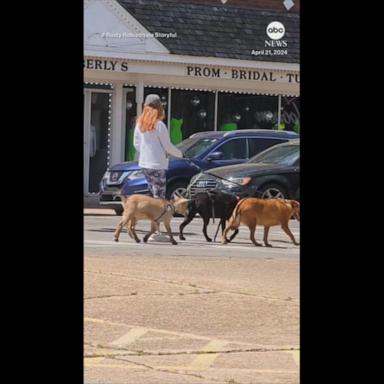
x: 151, y: 114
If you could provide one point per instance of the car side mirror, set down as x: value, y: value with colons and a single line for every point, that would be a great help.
x: 215, y: 156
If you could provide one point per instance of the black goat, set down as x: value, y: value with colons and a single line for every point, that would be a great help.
x: 210, y: 204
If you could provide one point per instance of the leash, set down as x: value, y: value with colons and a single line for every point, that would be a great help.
x: 217, y: 231
x: 218, y: 226
x: 167, y: 207
x: 210, y: 195
x: 213, y: 207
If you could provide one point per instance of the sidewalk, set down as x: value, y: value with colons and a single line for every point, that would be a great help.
x: 92, y: 207
x: 99, y: 212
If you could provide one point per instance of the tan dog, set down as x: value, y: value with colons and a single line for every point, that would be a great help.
x: 139, y: 207
x: 268, y: 212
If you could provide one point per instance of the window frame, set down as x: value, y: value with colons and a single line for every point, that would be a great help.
x: 220, y: 144
x: 277, y: 139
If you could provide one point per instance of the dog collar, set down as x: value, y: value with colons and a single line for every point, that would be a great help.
x: 168, y: 207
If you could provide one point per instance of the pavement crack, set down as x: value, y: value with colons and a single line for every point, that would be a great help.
x: 151, y: 295
x: 109, y: 296
x: 130, y: 352
x: 294, y: 301
x: 170, y: 282
x: 207, y: 289
x: 173, y: 371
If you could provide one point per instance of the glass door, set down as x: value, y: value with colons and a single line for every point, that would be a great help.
x: 130, y: 121
x: 87, y: 114
x: 98, y: 138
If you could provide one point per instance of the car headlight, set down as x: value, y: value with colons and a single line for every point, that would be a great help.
x: 136, y: 175
x: 230, y: 182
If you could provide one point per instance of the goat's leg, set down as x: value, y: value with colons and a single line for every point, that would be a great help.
x: 234, y: 234
x: 289, y: 233
x: 133, y: 231
x: 230, y: 226
x: 266, y: 231
x: 153, y: 230
x: 169, y: 230
x: 131, y: 224
x: 123, y: 222
x: 252, y: 229
x: 187, y: 220
x: 206, y: 222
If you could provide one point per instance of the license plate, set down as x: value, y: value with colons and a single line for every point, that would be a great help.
x: 198, y: 190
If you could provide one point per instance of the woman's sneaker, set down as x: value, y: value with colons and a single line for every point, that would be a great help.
x: 159, y: 237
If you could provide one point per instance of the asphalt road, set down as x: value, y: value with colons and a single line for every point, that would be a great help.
x: 195, y: 312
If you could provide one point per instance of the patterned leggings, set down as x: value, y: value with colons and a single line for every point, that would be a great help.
x: 156, y: 180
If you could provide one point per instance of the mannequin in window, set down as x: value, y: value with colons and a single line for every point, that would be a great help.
x: 228, y: 124
x: 92, y: 144
x: 131, y: 151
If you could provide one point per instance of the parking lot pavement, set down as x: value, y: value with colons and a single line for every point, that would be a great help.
x: 195, y: 312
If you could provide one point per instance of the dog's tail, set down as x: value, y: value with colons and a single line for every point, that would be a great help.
x: 235, y: 214
x: 123, y: 198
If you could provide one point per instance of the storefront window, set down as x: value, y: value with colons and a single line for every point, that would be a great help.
x: 96, y: 86
x: 191, y: 112
x: 290, y: 114
x: 130, y: 122
x: 238, y: 111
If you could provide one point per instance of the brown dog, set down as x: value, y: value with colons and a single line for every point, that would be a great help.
x: 268, y: 212
x: 139, y: 207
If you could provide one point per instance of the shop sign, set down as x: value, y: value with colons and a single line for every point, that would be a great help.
x: 241, y: 74
x: 106, y: 65
x: 207, y: 72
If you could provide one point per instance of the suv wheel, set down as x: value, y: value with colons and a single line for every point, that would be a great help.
x: 273, y: 191
x: 119, y: 211
x: 179, y: 186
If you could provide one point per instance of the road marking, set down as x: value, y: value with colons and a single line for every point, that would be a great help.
x: 129, y: 337
x: 152, y: 329
x: 106, y: 242
x: 296, y: 357
x: 181, y: 334
x: 187, y: 243
x: 129, y: 365
x: 192, y: 246
x: 179, y: 368
x: 204, y: 361
x: 190, y: 335
x: 94, y: 361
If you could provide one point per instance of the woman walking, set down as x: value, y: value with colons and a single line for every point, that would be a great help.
x: 152, y: 142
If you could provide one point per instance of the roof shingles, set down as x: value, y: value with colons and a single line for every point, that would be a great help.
x: 206, y: 30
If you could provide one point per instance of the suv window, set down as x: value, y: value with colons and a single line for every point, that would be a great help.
x: 283, y: 155
x: 256, y: 145
x: 196, y: 149
x: 234, y: 149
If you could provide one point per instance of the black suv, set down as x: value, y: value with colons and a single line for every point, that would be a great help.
x: 273, y: 173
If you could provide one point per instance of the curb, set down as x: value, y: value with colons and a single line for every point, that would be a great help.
x: 99, y: 212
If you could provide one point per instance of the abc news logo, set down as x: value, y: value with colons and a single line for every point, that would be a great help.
x: 275, y: 31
